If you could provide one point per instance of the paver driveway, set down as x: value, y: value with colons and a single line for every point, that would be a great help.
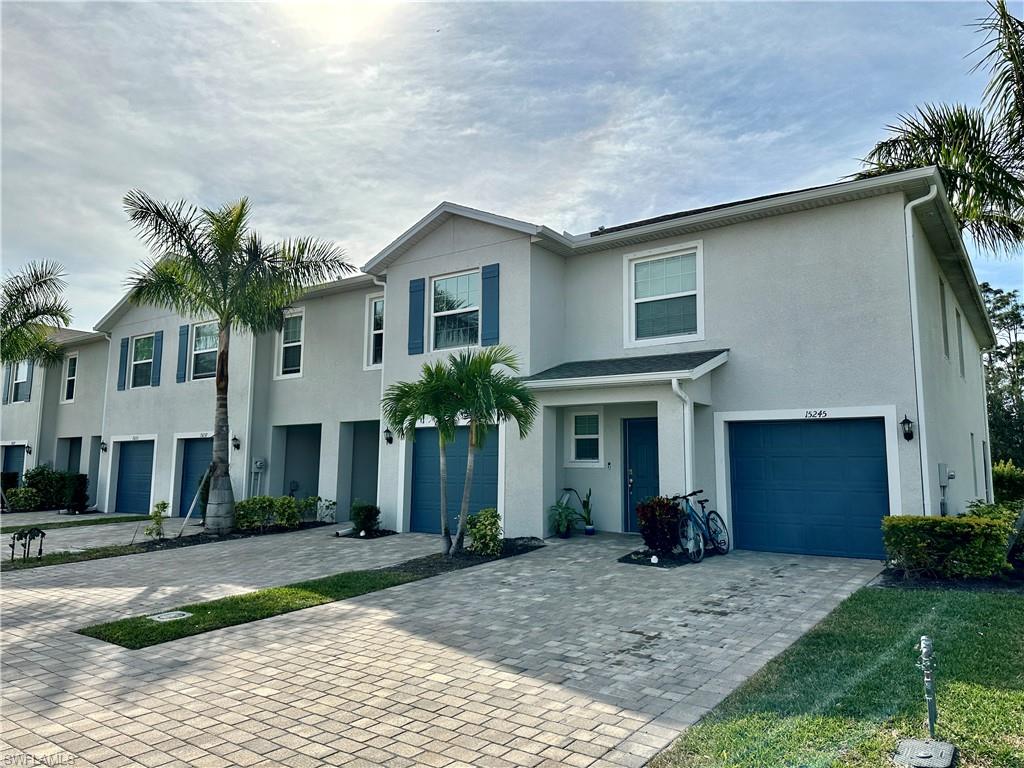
x: 559, y: 657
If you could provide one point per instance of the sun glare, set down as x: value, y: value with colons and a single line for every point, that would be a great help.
x: 338, y: 22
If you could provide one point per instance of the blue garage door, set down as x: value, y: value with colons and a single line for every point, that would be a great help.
x: 426, y: 483
x: 134, y: 477
x: 809, y: 487
x: 195, y: 460
x: 14, y: 459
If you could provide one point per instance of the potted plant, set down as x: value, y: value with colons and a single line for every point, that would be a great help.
x: 586, y: 513
x: 562, y: 518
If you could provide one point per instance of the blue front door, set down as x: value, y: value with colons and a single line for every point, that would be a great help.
x: 196, y: 455
x: 640, y: 481
x: 809, y: 487
x: 134, y: 477
x: 14, y: 460
x: 425, y: 516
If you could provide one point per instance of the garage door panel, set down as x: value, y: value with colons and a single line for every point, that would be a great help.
x: 813, y: 487
x: 425, y: 514
x: 134, y: 477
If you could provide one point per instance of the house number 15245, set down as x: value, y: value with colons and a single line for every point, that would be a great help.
x: 815, y: 414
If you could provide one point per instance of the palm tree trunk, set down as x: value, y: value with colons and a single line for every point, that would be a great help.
x: 467, y: 489
x: 220, y: 507
x: 446, y: 533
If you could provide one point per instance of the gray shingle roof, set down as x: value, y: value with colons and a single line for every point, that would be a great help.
x: 625, y: 366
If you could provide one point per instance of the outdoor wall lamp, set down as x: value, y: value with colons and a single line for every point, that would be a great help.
x: 28, y: 449
x: 236, y: 443
x: 103, y: 446
x: 908, y: 428
x: 388, y: 437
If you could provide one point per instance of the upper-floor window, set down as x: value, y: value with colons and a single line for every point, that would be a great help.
x: 20, y: 383
x: 455, y: 310
x: 664, y: 301
x: 70, y: 378
x: 142, y: 361
x: 205, y: 337
x: 292, y: 334
x: 944, y: 316
x: 374, y: 331
x: 960, y: 342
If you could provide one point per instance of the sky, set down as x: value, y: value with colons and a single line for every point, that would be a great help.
x: 350, y: 122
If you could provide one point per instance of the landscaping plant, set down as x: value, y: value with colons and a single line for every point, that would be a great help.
x: 208, y: 263
x: 155, y: 529
x: 255, y: 513
x: 562, y: 517
x: 658, y: 519
x: 1007, y: 481
x: 968, y: 546
x: 365, y: 517
x: 50, y: 484
x: 286, y: 512
x: 77, y: 493
x: 32, y: 306
x: 316, y: 509
x: 485, y: 532
x: 23, y: 499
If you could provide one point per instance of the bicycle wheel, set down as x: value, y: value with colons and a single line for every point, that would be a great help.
x: 692, y: 540
x: 719, y: 533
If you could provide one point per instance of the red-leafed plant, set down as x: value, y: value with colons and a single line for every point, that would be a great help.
x: 658, y: 517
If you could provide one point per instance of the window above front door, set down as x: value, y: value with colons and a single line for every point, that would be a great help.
x: 664, y: 299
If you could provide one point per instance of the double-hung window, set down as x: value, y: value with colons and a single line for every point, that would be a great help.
x: 205, y: 337
x: 19, y: 383
x: 292, y: 333
x: 142, y: 361
x: 455, y: 310
x: 70, y: 378
x: 584, y: 432
x: 664, y: 299
x: 374, y: 331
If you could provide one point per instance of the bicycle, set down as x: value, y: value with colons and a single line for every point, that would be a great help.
x: 696, y: 528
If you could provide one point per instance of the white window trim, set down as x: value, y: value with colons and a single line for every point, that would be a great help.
x: 15, y: 381
x: 302, y: 347
x: 368, y: 331
x: 64, y: 378
x: 192, y: 351
x: 478, y: 308
x: 132, y: 362
x: 629, y: 261
x: 570, y: 438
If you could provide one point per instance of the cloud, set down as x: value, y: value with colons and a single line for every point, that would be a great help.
x: 350, y: 122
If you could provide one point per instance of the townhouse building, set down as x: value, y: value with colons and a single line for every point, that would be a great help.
x: 811, y: 360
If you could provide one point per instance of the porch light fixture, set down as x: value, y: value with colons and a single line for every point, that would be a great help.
x: 103, y: 446
x: 236, y: 443
x: 28, y: 449
x: 908, y: 428
x: 388, y: 437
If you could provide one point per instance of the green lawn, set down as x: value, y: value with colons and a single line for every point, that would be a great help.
x: 98, y: 520
x: 59, y: 558
x: 846, y: 692
x: 140, y: 631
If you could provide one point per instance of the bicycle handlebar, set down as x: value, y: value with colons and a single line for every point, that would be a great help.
x: 692, y: 493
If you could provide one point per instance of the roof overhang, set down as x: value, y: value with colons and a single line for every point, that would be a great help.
x: 631, y: 379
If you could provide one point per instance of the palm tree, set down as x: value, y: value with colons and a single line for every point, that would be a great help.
x: 433, y: 398
x: 485, y: 396
x: 32, y: 306
x: 979, y: 151
x: 209, y: 263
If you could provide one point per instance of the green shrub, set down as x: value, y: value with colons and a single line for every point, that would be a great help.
x: 485, y: 531
x: 155, y: 529
x: 23, y: 499
x: 365, y: 517
x: 969, y: 546
x: 1010, y: 512
x: 286, y: 512
x: 1007, y: 481
x: 77, y: 492
x: 256, y: 513
x: 658, y: 519
x: 317, y: 509
x: 50, y: 484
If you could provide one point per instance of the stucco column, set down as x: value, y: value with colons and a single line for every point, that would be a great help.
x: 670, y: 443
x: 530, y: 467
x: 330, y: 443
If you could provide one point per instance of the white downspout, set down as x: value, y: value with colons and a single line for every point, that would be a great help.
x: 915, y: 326
x: 688, y: 471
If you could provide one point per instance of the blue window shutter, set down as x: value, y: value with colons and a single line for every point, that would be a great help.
x: 158, y: 355
x: 28, y: 381
x: 417, y: 295
x: 489, y: 309
x: 7, y: 383
x: 182, y: 352
x: 122, y: 367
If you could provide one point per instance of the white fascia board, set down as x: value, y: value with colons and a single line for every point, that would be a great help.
x: 627, y: 379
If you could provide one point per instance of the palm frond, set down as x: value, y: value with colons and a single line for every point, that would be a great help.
x: 1004, y: 60
x: 31, y: 307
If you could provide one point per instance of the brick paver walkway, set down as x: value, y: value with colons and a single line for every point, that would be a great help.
x: 560, y: 657
x: 52, y: 516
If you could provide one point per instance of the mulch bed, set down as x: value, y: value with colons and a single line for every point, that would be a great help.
x: 892, y: 578
x: 173, y: 542
x: 643, y: 557
x: 378, y: 534
x: 432, y: 565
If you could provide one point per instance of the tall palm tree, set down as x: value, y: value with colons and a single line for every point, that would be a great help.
x: 979, y: 151
x: 209, y: 263
x: 32, y: 306
x: 486, y: 395
x: 432, y: 397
